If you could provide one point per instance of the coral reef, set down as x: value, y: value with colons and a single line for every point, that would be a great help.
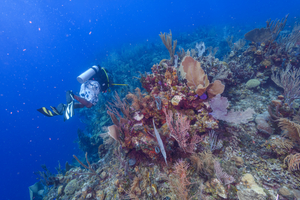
x: 209, y: 123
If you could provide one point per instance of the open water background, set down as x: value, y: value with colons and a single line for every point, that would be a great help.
x: 45, y: 45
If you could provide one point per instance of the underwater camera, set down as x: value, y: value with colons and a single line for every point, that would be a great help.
x: 87, y: 74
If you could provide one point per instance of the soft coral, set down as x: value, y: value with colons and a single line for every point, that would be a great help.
x: 179, y: 181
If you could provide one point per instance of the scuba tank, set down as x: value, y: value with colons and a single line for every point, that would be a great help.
x: 82, y: 78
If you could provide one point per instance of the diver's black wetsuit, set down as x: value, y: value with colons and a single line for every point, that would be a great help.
x: 104, y: 79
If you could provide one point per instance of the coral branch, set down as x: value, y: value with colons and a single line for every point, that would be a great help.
x: 179, y: 131
x: 179, y: 180
x: 167, y: 40
x: 120, y: 104
x: 222, y: 176
x: 89, y: 167
x: 293, y: 161
x: 289, y: 81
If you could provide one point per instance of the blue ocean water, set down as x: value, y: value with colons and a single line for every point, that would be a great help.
x: 45, y: 45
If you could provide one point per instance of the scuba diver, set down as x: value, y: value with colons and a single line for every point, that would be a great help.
x: 93, y: 81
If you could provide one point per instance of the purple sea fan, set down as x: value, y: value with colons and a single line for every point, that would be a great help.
x: 219, y: 106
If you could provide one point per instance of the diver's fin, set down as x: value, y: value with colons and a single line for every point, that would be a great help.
x: 60, y: 108
x: 69, y: 111
x: 69, y: 96
x: 55, y: 110
x: 47, y: 112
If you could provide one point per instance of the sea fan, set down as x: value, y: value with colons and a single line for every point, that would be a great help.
x: 219, y: 106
